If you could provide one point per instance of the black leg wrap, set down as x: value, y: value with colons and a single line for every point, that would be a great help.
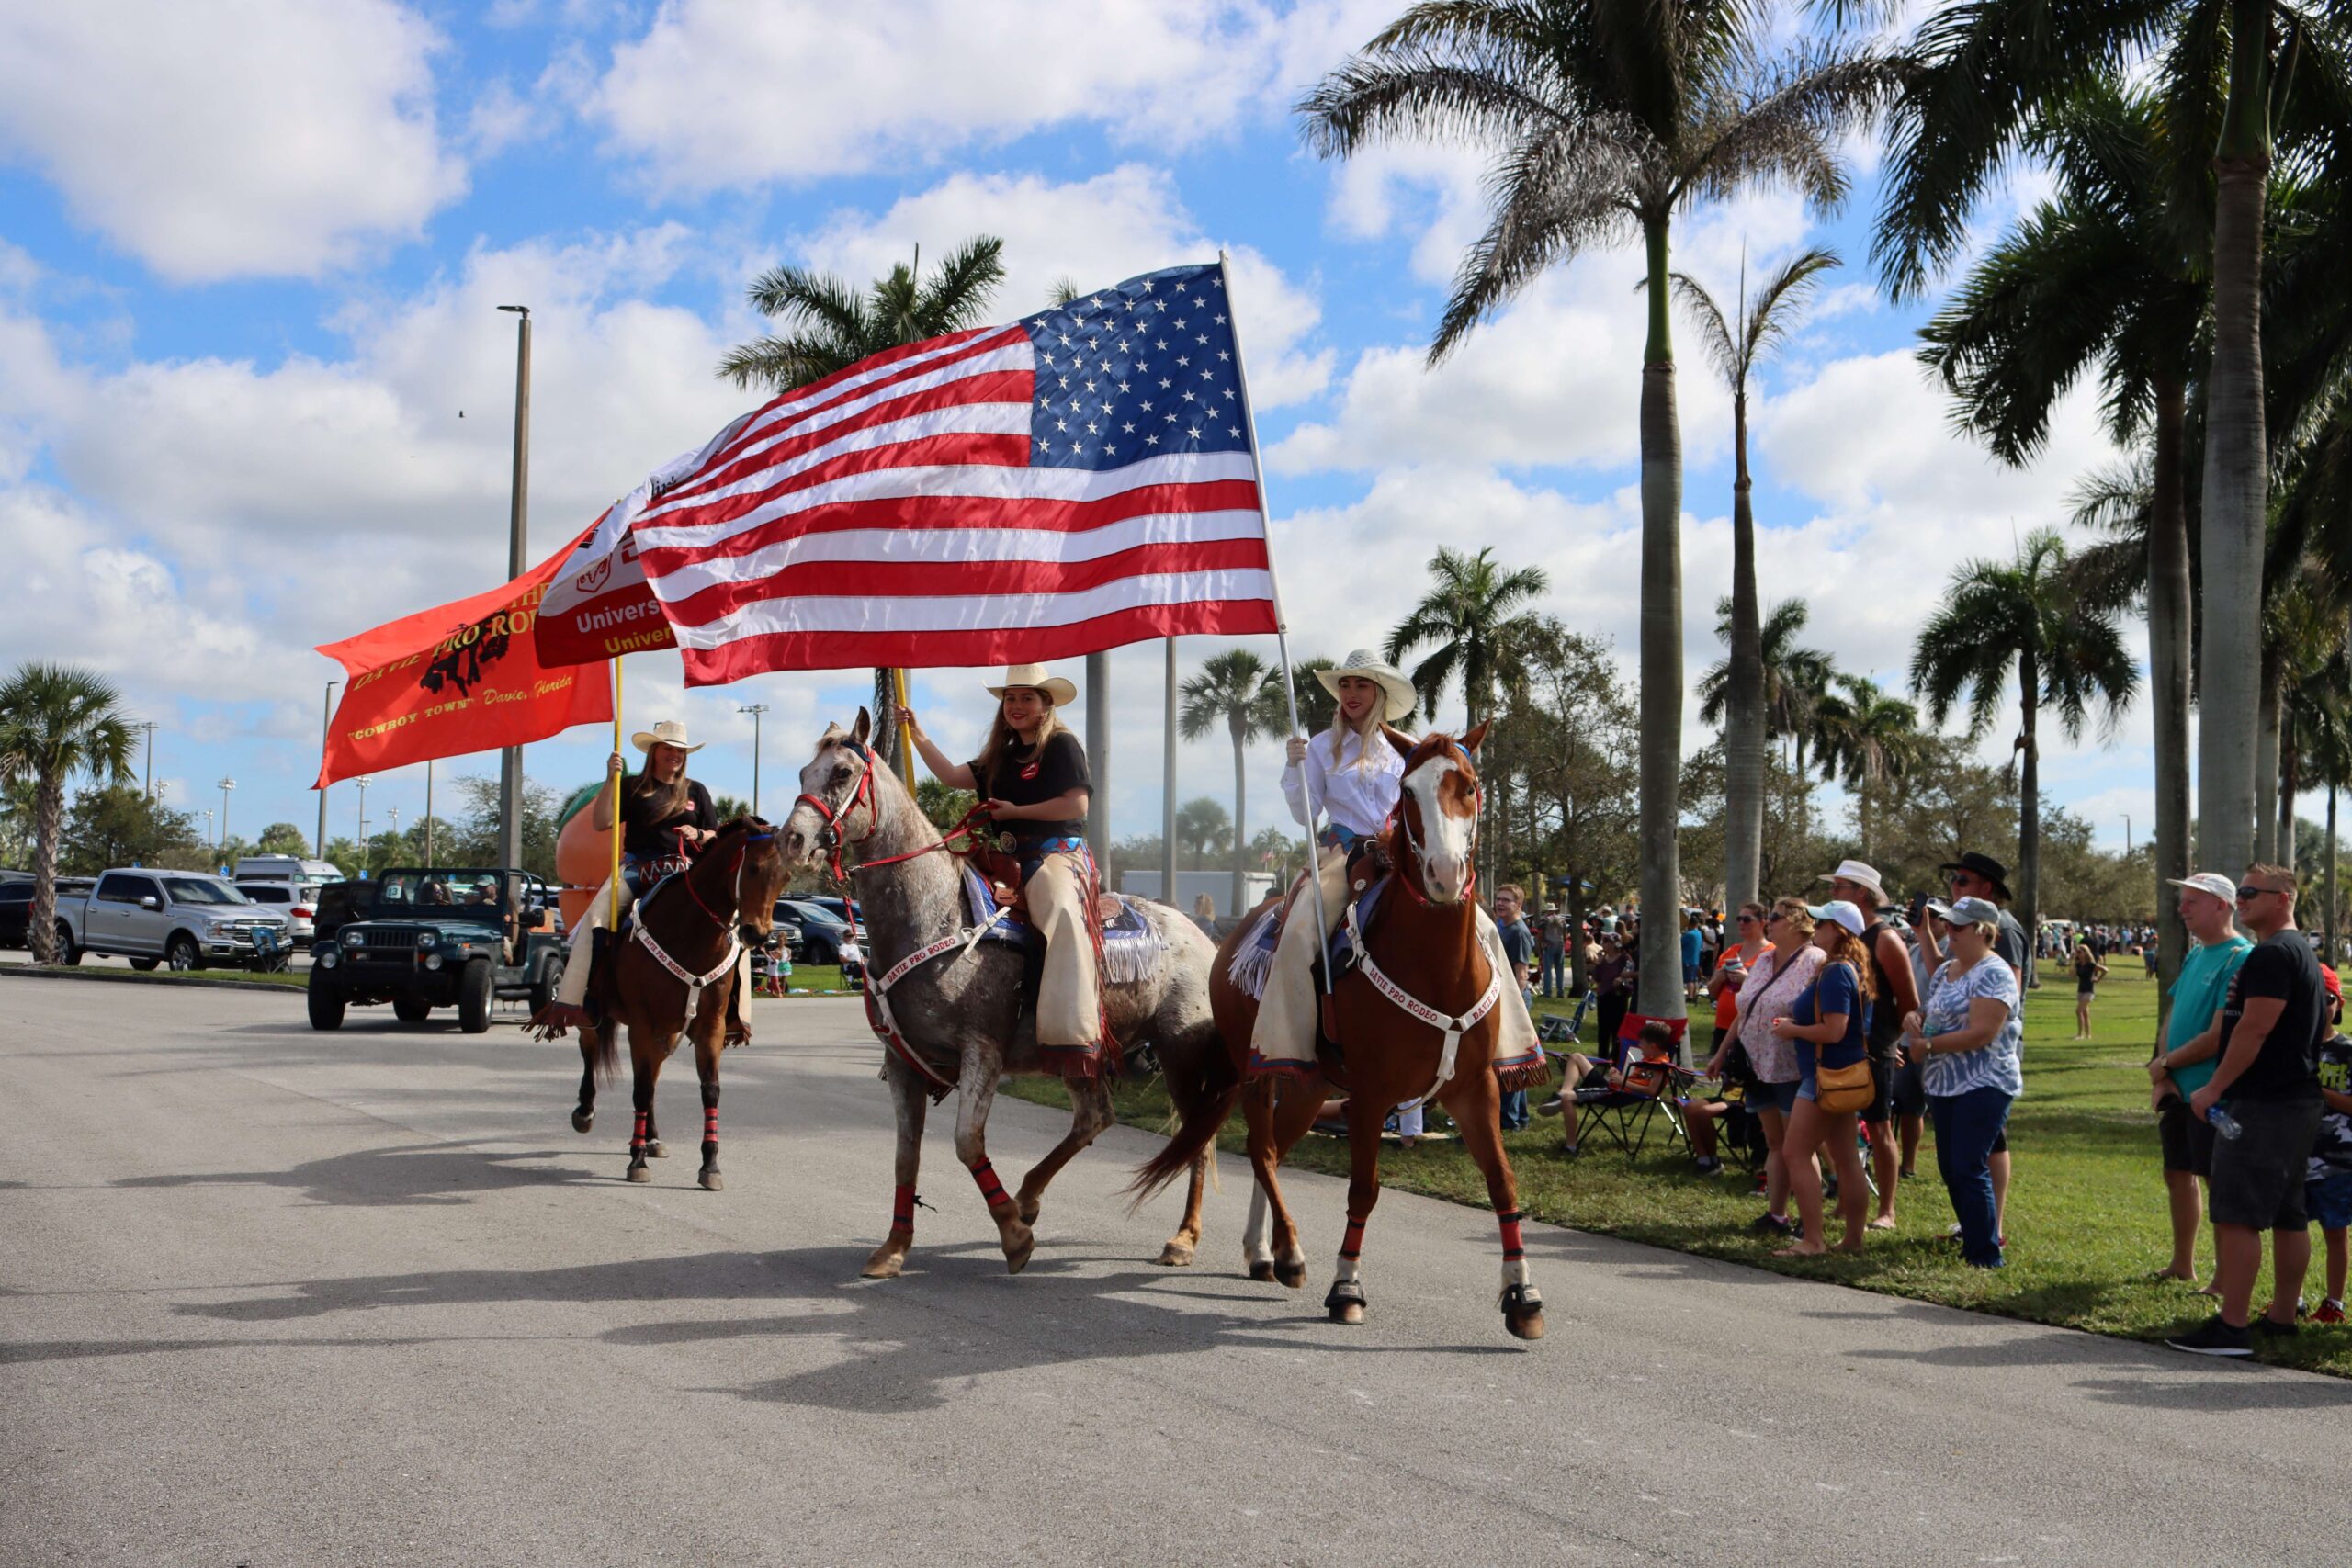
x: 1520, y: 1300
x: 1344, y: 1291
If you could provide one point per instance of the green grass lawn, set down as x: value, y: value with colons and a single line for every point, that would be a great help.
x: 2087, y: 1216
x: 297, y: 979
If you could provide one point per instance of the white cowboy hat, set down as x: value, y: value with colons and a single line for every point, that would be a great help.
x: 1856, y: 871
x: 669, y: 732
x: 1037, y: 678
x: 1368, y: 665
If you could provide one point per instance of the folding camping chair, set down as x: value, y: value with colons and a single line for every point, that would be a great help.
x: 1555, y: 1029
x: 1645, y: 1089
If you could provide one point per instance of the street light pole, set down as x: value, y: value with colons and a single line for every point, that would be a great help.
x: 326, y: 726
x: 755, y: 709
x: 510, y: 761
x: 149, y: 726
x: 2127, y: 835
x: 363, y: 781
x: 226, y: 786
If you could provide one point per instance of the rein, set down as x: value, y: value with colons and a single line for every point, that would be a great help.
x: 864, y: 793
x: 695, y: 983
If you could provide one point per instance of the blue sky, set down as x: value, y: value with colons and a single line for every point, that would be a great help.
x: 248, y: 280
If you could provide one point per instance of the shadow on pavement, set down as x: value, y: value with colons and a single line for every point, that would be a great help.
x: 2168, y: 1380
x: 439, y: 1173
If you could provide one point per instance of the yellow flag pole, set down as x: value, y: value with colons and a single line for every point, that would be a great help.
x: 614, y: 885
x: 906, y: 750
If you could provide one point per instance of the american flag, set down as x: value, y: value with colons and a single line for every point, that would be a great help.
x: 1080, y: 478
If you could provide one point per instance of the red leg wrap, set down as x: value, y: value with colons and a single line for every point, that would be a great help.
x: 1513, y: 1249
x: 991, y: 1189
x: 902, y: 1209
x: 710, y: 1123
x: 1351, y: 1244
x: 636, y: 1139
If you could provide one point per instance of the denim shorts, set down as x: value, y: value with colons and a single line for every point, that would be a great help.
x: 1779, y: 1097
x: 2329, y: 1199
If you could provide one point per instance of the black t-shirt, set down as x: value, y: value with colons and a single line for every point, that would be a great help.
x: 1886, y: 1019
x: 2281, y: 967
x: 1026, y: 777
x: 648, y: 831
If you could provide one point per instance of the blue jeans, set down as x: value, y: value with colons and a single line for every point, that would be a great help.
x: 1556, y: 973
x: 1514, y: 1110
x: 1966, y: 1125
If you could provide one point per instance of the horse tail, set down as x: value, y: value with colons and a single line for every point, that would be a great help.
x: 1203, y: 1090
x: 600, y: 1045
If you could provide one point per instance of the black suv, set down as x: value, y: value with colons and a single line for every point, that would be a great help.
x: 421, y: 937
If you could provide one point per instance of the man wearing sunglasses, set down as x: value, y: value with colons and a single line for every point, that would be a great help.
x: 2277, y: 1014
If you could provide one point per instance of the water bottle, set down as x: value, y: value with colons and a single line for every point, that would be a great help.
x: 2225, y: 1124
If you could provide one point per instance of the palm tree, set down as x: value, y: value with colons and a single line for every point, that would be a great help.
x: 1869, y: 738
x: 1471, y: 620
x: 830, y: 326
x: 1231, y: 690
x: 1986, y: 71
x: 2021, y: 619
x: 1607, y: 118
x: 2105, y: 274
x: 1794, y: 677
x: 58, y: 722
x: 1737, y: 345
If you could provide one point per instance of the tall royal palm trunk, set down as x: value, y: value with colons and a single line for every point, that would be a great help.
x: 2029, y: 909
x: 2290, y: 780
x: 2235, y: 478
x: 49, y: 821
x: 1744, y: 709
x: 2266, y: 761
x: 2327, y: 916
x: 2168, y: 634
x: 1240, y: 815
x: 1661, y: 659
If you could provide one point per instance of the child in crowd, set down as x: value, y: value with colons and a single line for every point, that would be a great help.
x: 2328, y: 1194
x: 1654, y: 1045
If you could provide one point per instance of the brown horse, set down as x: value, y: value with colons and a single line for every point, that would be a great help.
x: 1416, y: 1018
x: 675, y: 973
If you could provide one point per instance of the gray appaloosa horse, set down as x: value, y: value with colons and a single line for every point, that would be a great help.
x: 951, y: 1012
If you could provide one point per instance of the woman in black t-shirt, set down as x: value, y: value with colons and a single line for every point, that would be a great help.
x: 1031, y: 775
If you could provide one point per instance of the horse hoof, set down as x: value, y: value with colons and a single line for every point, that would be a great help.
x: 1526, y: 1326
x: 638, y: 1173
x: 1345, y: 1302
x: 1263, y: 1270
x: 711, y: 1180
x: 657, y: 1149
x: 1351, y: 1312
x: 1522, y: 1312
x: 886, y: 1264
x: 583, y: 1120
x: 1176, y: 1254
x: 1291, y: 1274
x: 1017, y: 1248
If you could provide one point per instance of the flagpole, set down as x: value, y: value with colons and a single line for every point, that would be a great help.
x: 1282, y: 627
x: 906, y: 753
x: 614, y: 883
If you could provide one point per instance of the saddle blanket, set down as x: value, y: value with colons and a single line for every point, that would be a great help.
x: 1253, y: 961
x: 1132, y: 945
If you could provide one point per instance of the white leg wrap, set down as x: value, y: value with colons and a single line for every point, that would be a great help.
x: 1348, y: 1267
x: 1514, y: 1272
x: 1257, y: 1234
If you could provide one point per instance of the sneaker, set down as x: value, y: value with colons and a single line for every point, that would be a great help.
x: 2264, y: 1328
x: 2329, y: 1310
x: 2214, y: 1338
x: 1768, y: 1224
x: 1549, y: 1108
x: 1709, y: 1166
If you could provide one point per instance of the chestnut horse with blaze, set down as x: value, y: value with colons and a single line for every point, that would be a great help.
x: 674, y: 974
x: 1414, y: 1019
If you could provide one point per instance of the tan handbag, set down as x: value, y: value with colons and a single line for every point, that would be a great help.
x: 1840, y: 1091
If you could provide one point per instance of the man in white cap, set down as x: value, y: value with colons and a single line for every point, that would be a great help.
x: 1898, y: 993
x: 2192, y: 1039
x: 1356, y: 776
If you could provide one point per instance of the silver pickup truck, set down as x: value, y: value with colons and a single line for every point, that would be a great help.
x: 180, y: 917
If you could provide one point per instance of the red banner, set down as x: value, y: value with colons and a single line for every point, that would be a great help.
x: 459, y: 678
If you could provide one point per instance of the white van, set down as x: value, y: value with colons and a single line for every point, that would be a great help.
x: 286, y: 868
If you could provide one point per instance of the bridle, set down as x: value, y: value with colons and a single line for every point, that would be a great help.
x: 743, y: 854
x: 1399, y: 828
x: 836, y: 840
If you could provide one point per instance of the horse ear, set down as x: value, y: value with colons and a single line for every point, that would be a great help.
x: 1398, y: 740
x: 864, y: 728
x: 1477, y: 737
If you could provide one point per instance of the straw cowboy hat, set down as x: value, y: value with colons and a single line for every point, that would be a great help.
x: 1367, y: 665
x: 1037, y: 678
x: 669, y: 732
x: 1854, y: 870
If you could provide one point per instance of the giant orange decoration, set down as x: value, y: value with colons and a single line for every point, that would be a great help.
x: 583, y: 856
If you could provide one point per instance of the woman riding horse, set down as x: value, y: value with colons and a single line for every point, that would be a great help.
x: 1355, y: 775
x: 1031, y: 780
x: 665, y: 817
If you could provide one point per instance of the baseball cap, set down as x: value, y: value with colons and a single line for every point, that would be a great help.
x: 1979, y: 911
x: 2223, y: 887
x: 2333, y: 981
x: 1839, y: 910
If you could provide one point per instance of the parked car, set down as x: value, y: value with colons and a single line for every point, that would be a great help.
x: 824, y: 938
x: 298, y: 901
x: 180, y: 917
x: 17, y: 907
x: 840, y: 906
x: 286, y: 868
x: 427, y: 937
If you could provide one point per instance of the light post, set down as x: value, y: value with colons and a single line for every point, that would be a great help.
x: 755, y: 710
x: 226, y: 786
x: 326, y: 726
x: 509, y: 760
x: 2127, y: 835
x: 208, y: 823
x: 363, y: 781
x: 149, y: 726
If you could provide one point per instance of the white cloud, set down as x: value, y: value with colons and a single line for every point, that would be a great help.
x: 1128, y: 221
x: 214, y: 140
x: 716, y: 94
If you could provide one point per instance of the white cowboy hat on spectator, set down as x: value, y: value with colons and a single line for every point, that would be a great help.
x: 1367, y: 665
x: 670, y: 732
x: 1856, y: 871
x: 1037, y: 678
x: 2212, y: 882
x: 1840, y: 912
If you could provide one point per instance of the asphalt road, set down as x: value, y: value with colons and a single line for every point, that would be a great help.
x: 272, y: 1297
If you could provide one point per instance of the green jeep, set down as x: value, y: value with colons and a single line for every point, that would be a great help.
x: 425, y: 937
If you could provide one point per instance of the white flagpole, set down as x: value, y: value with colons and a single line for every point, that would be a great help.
x: 1282, y: 627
